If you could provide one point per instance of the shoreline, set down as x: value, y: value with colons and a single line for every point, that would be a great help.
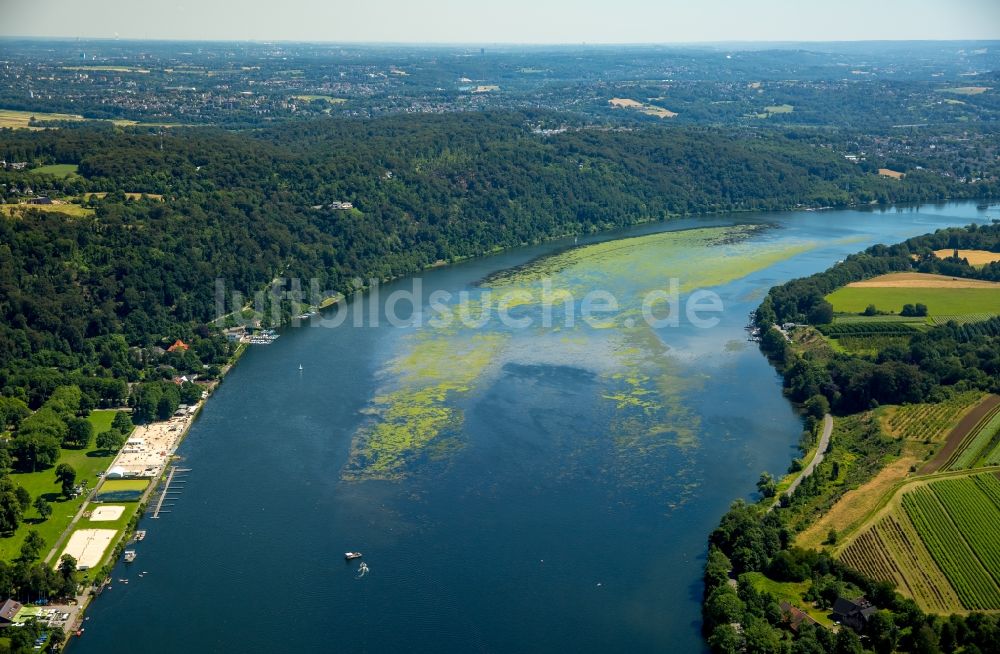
x: 83, y: 601
x: 93, y: 590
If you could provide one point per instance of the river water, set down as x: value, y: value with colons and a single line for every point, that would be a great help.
x: 512, y: 489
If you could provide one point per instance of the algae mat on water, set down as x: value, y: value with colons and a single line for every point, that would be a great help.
x: 416, y: 416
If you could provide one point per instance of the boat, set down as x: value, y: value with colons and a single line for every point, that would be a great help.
x: 129, y: 556
x: 300, y: 366
x: 350, y: 556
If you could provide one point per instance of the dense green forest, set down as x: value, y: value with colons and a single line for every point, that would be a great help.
x: 78, y: 292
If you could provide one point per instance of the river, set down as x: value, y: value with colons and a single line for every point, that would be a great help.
x: 512, y: 488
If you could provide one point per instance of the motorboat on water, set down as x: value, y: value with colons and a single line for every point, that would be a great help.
x: 350, y: 556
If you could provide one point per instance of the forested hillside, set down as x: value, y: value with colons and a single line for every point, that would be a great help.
x: 77, y: 292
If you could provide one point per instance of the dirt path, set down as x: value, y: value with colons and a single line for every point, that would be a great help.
x: 824, y: 443
x: 958, y: 434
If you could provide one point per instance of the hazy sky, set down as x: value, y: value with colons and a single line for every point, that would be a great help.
x: 505, y: 21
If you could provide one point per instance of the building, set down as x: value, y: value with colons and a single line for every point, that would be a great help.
x: 853, y: 613
x: 179, y: 345
x: 8, y: 610
x: 795, y: 616
x: 41, y: 199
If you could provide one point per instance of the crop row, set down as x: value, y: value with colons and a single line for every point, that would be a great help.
x: 870, y: 344
x: 976, y: 517
x: 925, y: 580
x: 869, y: 556
x: 978, y: 444
x: 929, y: 421
x: 838, y: 329
x: 974, y: 585
x: 962, y: 319
x: 989, y: 327
x: 990, y: 487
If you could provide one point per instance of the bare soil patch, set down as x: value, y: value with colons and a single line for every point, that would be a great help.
x: 922, y: 280
x: 958, y: 434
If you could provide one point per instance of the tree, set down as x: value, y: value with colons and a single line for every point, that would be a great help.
x: 725, y: 640
x: 821, y: 313
x: 23, y: 497
x: 56, y: 638
x: 43, y: 507
x: 883, y: 632
x: 67, y: 571
x: 66, y: 475
x: 79, y: 433
x: 831, y: 537
x: 717, y: 568
x: 10, y: 507
x: 122, y: 422
x: 12, y: 412
x: 32, y: 547
x: 722, y: 606
x: 870, y: 310
x: 817, y: 406
x: 760, y: 637
x: 35, y: 450
x: 111, y: 440
x: 847, y: 642
x: 766, y: 485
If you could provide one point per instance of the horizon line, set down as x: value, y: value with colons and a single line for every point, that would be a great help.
x: 165, y: 39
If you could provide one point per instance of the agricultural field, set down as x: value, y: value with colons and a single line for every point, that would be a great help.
x: 849, y: 318
x: 869, y: 336
x: 648, y: 109
x: 59, y: 170
x: 974, y: 257
x: 891, y: 551
x: 942, y: 295
x: 962, y: 319
x: 928, y: 422
x: 21, y: 119
x: 981, y: 446
x: 868, y: 345
x: 959, y: 523
x: 69, y: 209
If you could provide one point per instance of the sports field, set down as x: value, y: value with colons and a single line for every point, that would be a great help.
x: 88, y: 546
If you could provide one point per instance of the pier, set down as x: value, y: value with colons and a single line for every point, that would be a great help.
x: 166, y: 492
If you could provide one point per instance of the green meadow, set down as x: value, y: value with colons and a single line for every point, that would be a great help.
x: 939, y: 301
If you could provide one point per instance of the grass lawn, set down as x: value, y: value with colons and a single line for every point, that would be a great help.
x: 939, y: 301
x: 792, y: 593
x: 59, y: 170
x: 101, y: 419
x: 87, y: 464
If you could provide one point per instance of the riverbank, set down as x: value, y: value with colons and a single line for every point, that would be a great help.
x: 153, y: 447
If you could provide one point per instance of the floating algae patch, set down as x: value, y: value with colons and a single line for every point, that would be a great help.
x: 631, y: 268
x: 649, y: 394
x: 417, y: 419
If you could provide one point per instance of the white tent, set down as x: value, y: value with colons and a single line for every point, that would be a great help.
x: 116, y: 472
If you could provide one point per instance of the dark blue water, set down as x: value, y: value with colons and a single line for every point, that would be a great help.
x: 539, y: 533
